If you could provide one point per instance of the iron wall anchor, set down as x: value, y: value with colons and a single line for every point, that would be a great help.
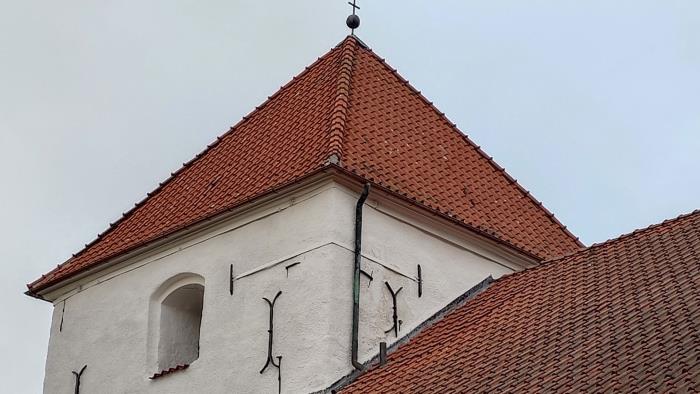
x: 78, y: 375
x: 420, y: 282
x: 270, y: 332
x: 368, y: 276
x: 231, y: 279
x: 395, y: 316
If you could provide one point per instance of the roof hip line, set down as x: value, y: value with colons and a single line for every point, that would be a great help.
x: 453, y: 127
x: 342, y: 100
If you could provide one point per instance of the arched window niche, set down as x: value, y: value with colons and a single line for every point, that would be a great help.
x: 175, y: 320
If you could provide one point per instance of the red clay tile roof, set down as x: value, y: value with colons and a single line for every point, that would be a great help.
x: 351, y: 111
x: 621, y: 316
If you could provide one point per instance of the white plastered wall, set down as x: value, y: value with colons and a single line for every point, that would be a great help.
x: 108, y: 319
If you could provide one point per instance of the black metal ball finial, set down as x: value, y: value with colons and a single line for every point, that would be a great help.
x: 353, y: 21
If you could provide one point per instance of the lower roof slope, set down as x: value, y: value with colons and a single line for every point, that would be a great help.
x: 350, y: 111
x: 621, y: 316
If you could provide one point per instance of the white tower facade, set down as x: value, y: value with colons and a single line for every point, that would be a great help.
x: 243, y: 272
x: 300, y: 244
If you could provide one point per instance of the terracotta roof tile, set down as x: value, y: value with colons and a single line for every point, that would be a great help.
x: 351, y: 111
x: 622, y: 316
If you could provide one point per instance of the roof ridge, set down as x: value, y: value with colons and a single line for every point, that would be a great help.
x: 342, y: 100
x: 477, y: 148
x: 546, y: 263
x: 634, y: 232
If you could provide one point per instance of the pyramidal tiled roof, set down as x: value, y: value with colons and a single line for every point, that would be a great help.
x: 619, y: 317
x: 350, y: 111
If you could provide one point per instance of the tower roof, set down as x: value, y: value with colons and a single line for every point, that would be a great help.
x: 351, y: 111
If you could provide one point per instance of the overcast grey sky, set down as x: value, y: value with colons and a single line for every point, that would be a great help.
x: 594, y: 106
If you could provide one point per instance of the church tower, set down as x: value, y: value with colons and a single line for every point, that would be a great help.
x: 341, y: 214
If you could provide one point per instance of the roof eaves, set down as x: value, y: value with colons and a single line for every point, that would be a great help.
x: 484, y: 232
x: 174, y: 174
x: 33, y: 290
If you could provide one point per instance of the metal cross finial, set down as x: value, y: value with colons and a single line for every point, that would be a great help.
x: 354, y: 6
x: 353, y: 20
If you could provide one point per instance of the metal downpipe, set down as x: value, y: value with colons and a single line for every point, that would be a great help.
x: 356, y: 276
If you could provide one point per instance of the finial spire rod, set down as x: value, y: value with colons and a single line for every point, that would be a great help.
x: 353, y: 20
